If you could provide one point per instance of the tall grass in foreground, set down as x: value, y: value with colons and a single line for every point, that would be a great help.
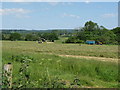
x: 51, y: 71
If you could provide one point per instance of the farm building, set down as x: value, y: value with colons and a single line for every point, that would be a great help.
x: 90, y: 42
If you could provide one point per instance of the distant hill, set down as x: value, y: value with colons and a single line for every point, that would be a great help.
x: 7, y: 31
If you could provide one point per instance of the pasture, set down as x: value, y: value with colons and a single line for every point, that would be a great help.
x: 108, y: 51
x: 48, y: 69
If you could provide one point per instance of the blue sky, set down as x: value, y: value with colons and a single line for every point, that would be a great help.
x: 56, y: 15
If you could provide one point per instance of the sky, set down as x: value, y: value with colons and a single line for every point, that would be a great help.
x: 57, y: 15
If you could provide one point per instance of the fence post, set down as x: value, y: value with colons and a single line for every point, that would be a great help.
x: 8, y: 73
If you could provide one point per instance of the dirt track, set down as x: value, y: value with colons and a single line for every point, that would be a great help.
x: 93, y: 58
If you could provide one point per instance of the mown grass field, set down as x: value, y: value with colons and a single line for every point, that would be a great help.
x: 110, y: 51
x: 48, y: 70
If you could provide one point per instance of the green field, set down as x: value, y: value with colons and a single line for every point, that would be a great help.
x: 110, y: 51
x: 49, y: 70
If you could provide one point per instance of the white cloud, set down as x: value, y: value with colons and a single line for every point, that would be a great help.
x: 13, y: 11
x: 70, y: 15
x: 109, y: 15
x: 87, y: 1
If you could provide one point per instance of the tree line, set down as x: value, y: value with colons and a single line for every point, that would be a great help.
x: 29, y: 37
x: 90, y: 31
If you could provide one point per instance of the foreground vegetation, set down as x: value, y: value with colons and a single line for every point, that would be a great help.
x: 45, y: 69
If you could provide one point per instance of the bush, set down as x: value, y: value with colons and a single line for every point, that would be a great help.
x: 80, y: 41
x: 31, y: 37
x: 73, y: 39
x: 50, y: 36
x: 15, y: 36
